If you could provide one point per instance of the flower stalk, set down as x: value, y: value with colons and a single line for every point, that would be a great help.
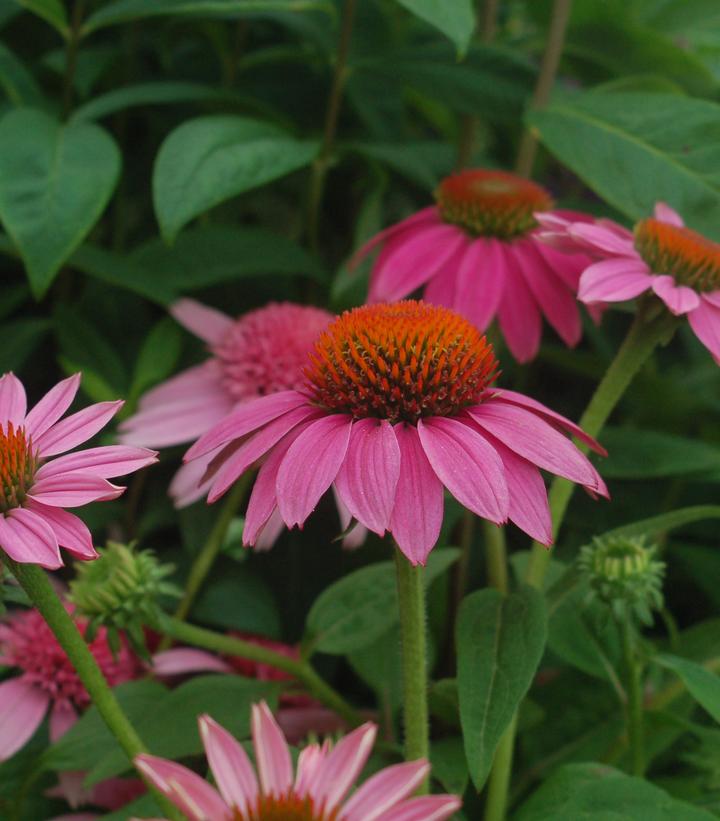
x: 635, y: 707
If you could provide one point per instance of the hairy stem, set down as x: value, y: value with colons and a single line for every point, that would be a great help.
x: 636, y: 733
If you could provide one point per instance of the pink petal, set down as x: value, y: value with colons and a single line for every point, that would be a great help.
x: 679, y: 298
x: 665, y: 213
x: 70, y: 787
x: 614, y: 280
x: 519, y: 316
x: 384, y: 790
x: 369, y: 475
x: 418, y: 512
x: 13, y: 403
x: 310, y: 466
x: 184, y: 660
x: 107, y: 462
x: 52, y: 406
x: 308, y: 765
x: 177, y: 422
x: 468, y: 466
x: 76, y: 429
x: 62, y: 718
x: 70, y: 531
x: 426, y: 808
x: 245, y: 419
x: 206, y: 378
x: 705, y: 322
x: 22, y: 708
x: 271, y: 752
x: 269, y: 533
x: 230, y: 765
x: 186, y: 485
x: 342, y: 767
x: 194, y: 796
x: 440, y: 289
x: 74, y: 490
x: 567, y: 267
x: 429, y: 214
x: 713, y: 297
x: 28, y: 539
x: 480, y: 281
x: 206, y: 323
x: 600, y: 238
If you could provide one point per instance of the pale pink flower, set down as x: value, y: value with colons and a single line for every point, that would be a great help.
x: 34, y: 487
x: 476, y: 251
x: 398, y: 404
x: 661, y: 255
x: 316, y: 792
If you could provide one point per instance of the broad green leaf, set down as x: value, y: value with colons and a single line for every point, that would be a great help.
x: 449, y: 767
x: 666, y: 521
x: 51, y: 11
x: 644, y: 454
x: 238, y: 601
x: 157, y: 358
x: 601, y: 793
x: 212, y: 254
x: 143, y: 807
x: 210, y: 159
x: 454, y: 18
x: 55, y: 181
x: 500, y: 641
x: 16, y: 81
x: 20, y: 339
x: 702, y: 685
x: 379, y: 665
x: 423, y: 163
x: 356, y: 610
x: 637, y: 149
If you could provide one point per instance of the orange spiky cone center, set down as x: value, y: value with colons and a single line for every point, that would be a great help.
x: 17, y: 466
x: 690, y: 258
x: 491, y: 203
x: 400, y: 362
x: 287, y: 807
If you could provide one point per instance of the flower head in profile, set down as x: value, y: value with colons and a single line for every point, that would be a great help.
x: 476, y: 251
x: 34, y: 487
x: 316, y: 792
x: 399, y: 403
x: 660, y: 255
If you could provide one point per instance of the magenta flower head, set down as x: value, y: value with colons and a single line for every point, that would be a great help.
x: 316, y: 792
x: 476, y: 251
x: 398, y: 403
x: 661, y: 255
x: 34, y: 487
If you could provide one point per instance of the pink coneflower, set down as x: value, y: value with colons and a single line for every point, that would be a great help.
x: 398, y: 403
x: 476, y: 251
x: 661, y: 255
x: 35, y: 488
x: 317, y: 792
x: 47, y: 679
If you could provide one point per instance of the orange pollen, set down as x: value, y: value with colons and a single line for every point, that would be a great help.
x: 286, y: 807
x: 690, y: 258
x: 17, y: 466
x: 491, y: 203
x: 400, y: 362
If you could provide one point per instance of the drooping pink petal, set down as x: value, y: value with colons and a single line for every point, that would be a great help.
x: 73, y: 490
x: 425, y: 808
x: 310, y: 466
x: 230, y: 765
x: 384, y: 790
x: 705, y: 322
x: 417, y: 516
x: 713, y: 297
x: 76, y: 429
x: 614, y: 280
x: 28, y: 539
x: 440, y: 289
x: 52, y: 406
x: 467, y: 464
x: 22, y: 708
x: 567, y: 267
x: 679, y: 298
x: 13, y: 403
x: 341, y: 768
x: 369, y: 474
x: 208, y: 324
x: 519, y: 316
x: 426, y: 215
x: 194, y: 796
x: 62, y: 718
x: 70, y: 531
x: 270, y: 532
x: 480, y: 281
x: 184, y: 660
x: 186, y: 485
x: 245, y: 419
x: 271, y: 752
x: 665, y: 213
x: 107, y: 461
x: 599, y: 238
x: 205, y: 379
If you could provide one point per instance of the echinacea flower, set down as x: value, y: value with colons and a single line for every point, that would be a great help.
x: 398, y: 403
x: 660, y: 255
x: 34, y: 487
x: 316, y: 792
x: 476, y: 251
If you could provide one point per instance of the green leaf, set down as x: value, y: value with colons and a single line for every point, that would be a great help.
x: 656, y: 525
x: 601, y: 793
x: 356, y: 610
x: 51, y: 11
x: 702, y: 685
x: 423, y: 163
x: 644, y: 454
x: 637, y: 149
x: 125, y: 11
x: 16, y: 81
x: 157, y: 358
x: 238, y: 601
x: 379, y: 665
x: 454, y: 18
x: 210, y: 159
x: 500, y: 641
x: 449, y: 767
x: 55, y: 181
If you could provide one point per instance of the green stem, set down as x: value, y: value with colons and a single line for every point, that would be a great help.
x: 462, y: 573
x: 71, y: 53
x: 35, y: 583
x: 499, y: 780
x: 636, y: 733
x: 228, y: 645
x: 411, y: 601
x: 496, y: 556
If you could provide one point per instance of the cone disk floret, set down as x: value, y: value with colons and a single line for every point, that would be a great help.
x: 287, y: 807
x: 18, y: 464
x: 690, y: 258
x: 491, y: 203
x: 400, y: 362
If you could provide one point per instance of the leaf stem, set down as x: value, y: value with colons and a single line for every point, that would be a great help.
x: 499, y: 780
x: 71, y: 54
x: 496, y: 556
x: 636, y: 733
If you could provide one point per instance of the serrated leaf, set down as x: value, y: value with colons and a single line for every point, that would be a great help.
x: 454, y: 18
x: 702, y: 685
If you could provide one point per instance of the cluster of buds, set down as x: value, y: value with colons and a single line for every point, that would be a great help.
x: 624, y: 573
x: 120, y: 591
